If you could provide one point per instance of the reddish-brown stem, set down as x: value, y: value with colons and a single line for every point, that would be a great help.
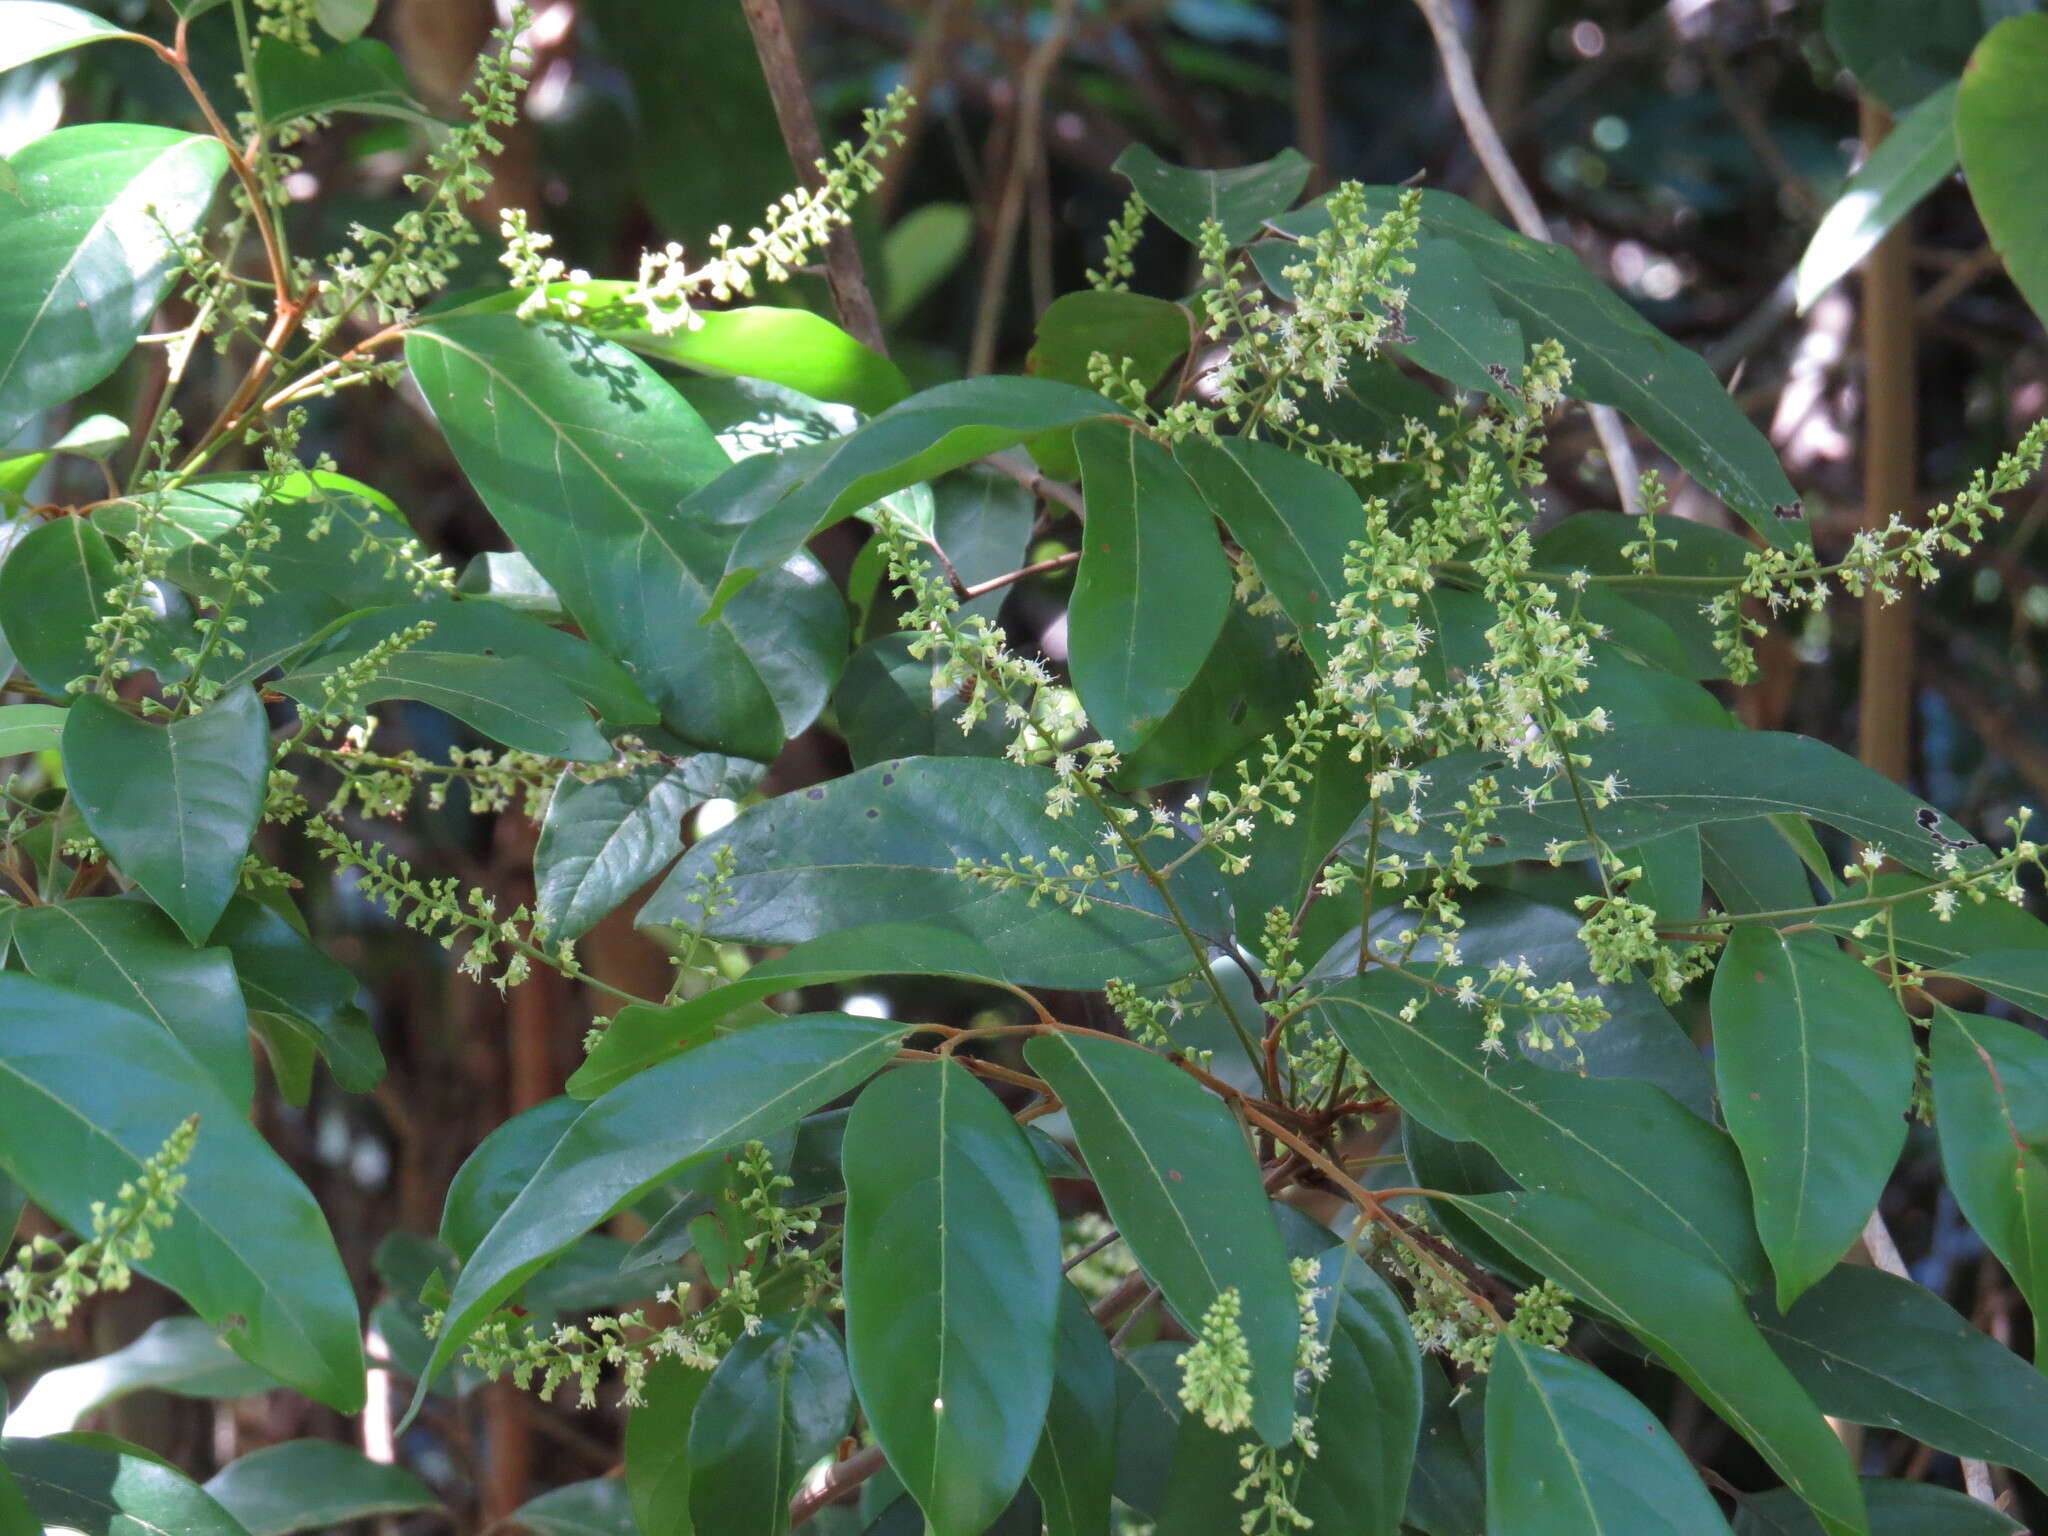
x: 968, y: 594
x: 289, y: 313
x: 835, y: 1485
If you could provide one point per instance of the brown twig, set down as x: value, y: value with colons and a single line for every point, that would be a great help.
x: 1038, y: 567
x: 843, y: 271
x: 835, y: 1485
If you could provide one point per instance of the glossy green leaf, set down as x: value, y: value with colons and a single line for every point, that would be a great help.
x: 1148, y: 1415
x: 1896, y: 1509
x: 658, y: 1449
x: 1688, y: 776
x: 287, y: 978
x: 1150, y: 335
x: 51, y: 593
x: 1991, y: 1103
x: 603, y: 839
x: 503, y: 1164
x: 584, y: 455
x: 1815, y: 1063
x: 363, y: 76
x: 2020, y: 976
x: 1623, y: 1144
x: 731, y: 1091
x: 1569, y: 1452
x: 1914, y: 158
x: 1242, y: 692
x: 1911, y: 926
x: 1153, y: 585
x: 1367, y: 1409
x: 30, y: 728
x: 96, y: 1492
x: 183, y: 1355
x: 883, y: 846
x: 1903, y: 50
x: 779, y: 1400
x: 598, y: 1506
x: 38, y: 28
x: 1876, y: 1349
x: 129, y: 953
x: 1692, y: 1316
x: 917, y: 440
x: 2001, y: 119
x: 305, y: 1485
x: 1182, y: 1187
x: 1710, y: 560
x: 1618, y: 357
x: 888, y: 706
x: 1073, y: 1470
x: 1446, y: 1494
x: 952, y: 1287
x: 1240, y: 199
x: 87, y: 246
x: 175, y: 805
x: 89, y: 1092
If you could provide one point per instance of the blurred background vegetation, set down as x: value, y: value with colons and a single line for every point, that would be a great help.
x: 1685, y: 151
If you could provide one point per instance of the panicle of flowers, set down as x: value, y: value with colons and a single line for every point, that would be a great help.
x: 129, y: 608
x: 1118, y: 246
x: 1216, y: 1370
x: 776, y: 1230
x: 45, y: 1284
x: 1141, y: 1015
x: 553, y: 288
x: 289, y: 21
x: 343, y: 688
x: 542, y: 1361
x: 1542, y: 1316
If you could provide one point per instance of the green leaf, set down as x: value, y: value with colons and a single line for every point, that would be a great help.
x: 344, y: 20
x: 87, y: 246
x: 1445, y: 1493
x: 1623, y: 1144
x: 920, y: 251
x: 584, y: 455
x: 1914, y: 158
x: 51, y: 593
x: 304, y: 1485
x: 1295, y: 519
x: 1896, y: 1509
x: 1149, y: 334
x: 1876, y: 1349
x: 599, y: 1506
x: 2001, y: 118
x: 1902, y: 50
x: 1618, y: 358
x: 1691, y: 1316
x: 1240, y: 199
x: 36, y: 29
x: 1153, y: 586
x: 361, y: 76
x: 1909, y: 924
x: 1685, y: 776
x: 131, y: 954
x: 503, y: 1164
x: 952, y: 1284
x: 30, y: 728
x: 1815, y: 1063
x: 604, y: 839
x: 1242, y: 692
x: 95, y: 1492
x: 1367, y: 1409
x: 728, y: 1092
x: 2020, y: 976
x: 1148, y: 1415
x: 1991, y: 1103
x: 16, y: 1518
x: 778, y: 1402
x: 917, y: 440
x: 175, y: 805
x: 288, y: 979
x: 89, y: 1092
x: 658, y: 1449
x: 1074, y: 1468
x: 883, y: 846
x: 1183, y: 1188
x: 184, y: 1355
x: 1569, y: 1452
x: 1708, y: 561
x: 888, y: 705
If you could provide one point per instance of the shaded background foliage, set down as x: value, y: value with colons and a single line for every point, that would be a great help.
x: 1685, y: 150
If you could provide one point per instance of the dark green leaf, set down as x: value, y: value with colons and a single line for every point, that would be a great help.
x: 87, y: 246
x: 37, y: 28
x: 16, y: 1518
x: 1569, y: 1452
x: 304, y: 1485
x: 2020, y: 976
x: 778, y: 1402
x: 1153, y: 585
x: 1896, y: 1509
x: 583, y: 454
x: 1815, y: 1063
x: 30, y: 728
x: 1148, y: 1415
x: 129, y: 953
x: 503, y: 1164
x: 361, y: 76
x: 1703, y: 560
x: 1914, y: 158
x: 599, y: 1506
x: 726, y: 1093
x: 920, y: 251
x: 1445, y: 1494
x: 887, y: 707
x: 1691, y: 1315
x: 1901, y: 50
x: 2001, y: 119
x: 883, y: 846
x: 1240, y: 199
x: 952, y: 1284
x: 174, y: 805
x: 1624, y: 1144
x: 1149, y: 334
x: 1074, y: 1467
x: 658, y: 1449
x: 89, y: 1091
x: 1242, y: 692
x: 1367, y: 1410
x: 1876, y: 1349
x: 1909, y: 925
x: 184, y: 1355
x: 51, y: 592
x: 96, y: 1492
x: 1183, y: 1188
x: 288, y: 978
